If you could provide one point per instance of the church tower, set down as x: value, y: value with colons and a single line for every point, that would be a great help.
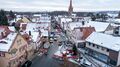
x: 70, y: 9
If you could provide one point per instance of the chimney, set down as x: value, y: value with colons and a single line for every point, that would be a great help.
x: 30, y: 33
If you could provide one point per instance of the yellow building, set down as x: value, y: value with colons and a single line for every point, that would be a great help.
x: 13, y: 50
x: 24, y: 20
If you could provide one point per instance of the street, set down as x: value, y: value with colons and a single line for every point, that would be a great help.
x: 47, y: 61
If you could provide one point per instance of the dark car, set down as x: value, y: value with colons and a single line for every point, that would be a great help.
x: 27, y: 63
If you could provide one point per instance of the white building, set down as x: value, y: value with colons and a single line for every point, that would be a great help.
x: 41, y: 18
x: 99, y: 26
x: 103, y: 47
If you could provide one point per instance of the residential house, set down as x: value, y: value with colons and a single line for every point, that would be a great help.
x: 63, y: 22
x: 13, y: 50
x: 23, y: 20
x: 5, y: 30
x: 112, y: 15
x: 31, y: 47
x: 115, y: 21
x: 23, y: 26
x: 80, y: 34
x: 70, y: 27
x: 116, y: 31
x: 41, y: 18
x: 38, y: 33
x: 99, y: 26
x: 104, y: 48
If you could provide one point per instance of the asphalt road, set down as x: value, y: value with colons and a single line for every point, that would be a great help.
x: 47, y: 61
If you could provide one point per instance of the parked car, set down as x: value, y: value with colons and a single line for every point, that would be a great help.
x: 85, y: 63
x: 28, y: 63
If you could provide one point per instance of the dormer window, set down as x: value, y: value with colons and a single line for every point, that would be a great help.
x: 3, y: 42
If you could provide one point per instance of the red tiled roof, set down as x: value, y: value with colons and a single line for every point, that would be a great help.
x: 6, y: 29
x: 86, y: 31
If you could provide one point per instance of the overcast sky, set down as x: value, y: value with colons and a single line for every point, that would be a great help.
x: 52, y: 5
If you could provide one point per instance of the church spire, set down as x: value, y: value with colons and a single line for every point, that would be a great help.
x: 70, y: 9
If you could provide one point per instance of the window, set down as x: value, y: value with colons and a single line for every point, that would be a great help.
x: 97, y: 46
x: 89, y: 44
x: 19, y: 42
x: 103, y: 48
x: 108, y: 50
x: 93, y: 45
x: 13, y: 51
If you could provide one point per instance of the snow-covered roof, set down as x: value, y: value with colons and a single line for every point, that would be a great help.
x: 104, y: 40
x: 12, y: 28
x: 112, y: 15
x: 73, y: 25
x: 36, y: 26
x: 116, y: 20
x: 40, y: 18
x: 66, y: 20
x: 18, y: 16
x: 45, y: 20
x: 44, y: 32
x: 37, y: 15
x: 109, y: 32
x: 6, y: 43
x: 35, y: 36
x: 99, y: 26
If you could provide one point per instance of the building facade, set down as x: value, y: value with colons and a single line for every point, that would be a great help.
x: 104, y: 48
x: 16, y: 53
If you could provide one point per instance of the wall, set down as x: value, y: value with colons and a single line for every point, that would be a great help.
x: 118, y: 62
x: 98, y: 50
x: 3, y: 62
x: 15, y: 58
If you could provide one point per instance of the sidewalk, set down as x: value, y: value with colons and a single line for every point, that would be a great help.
x: 94, y: 64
